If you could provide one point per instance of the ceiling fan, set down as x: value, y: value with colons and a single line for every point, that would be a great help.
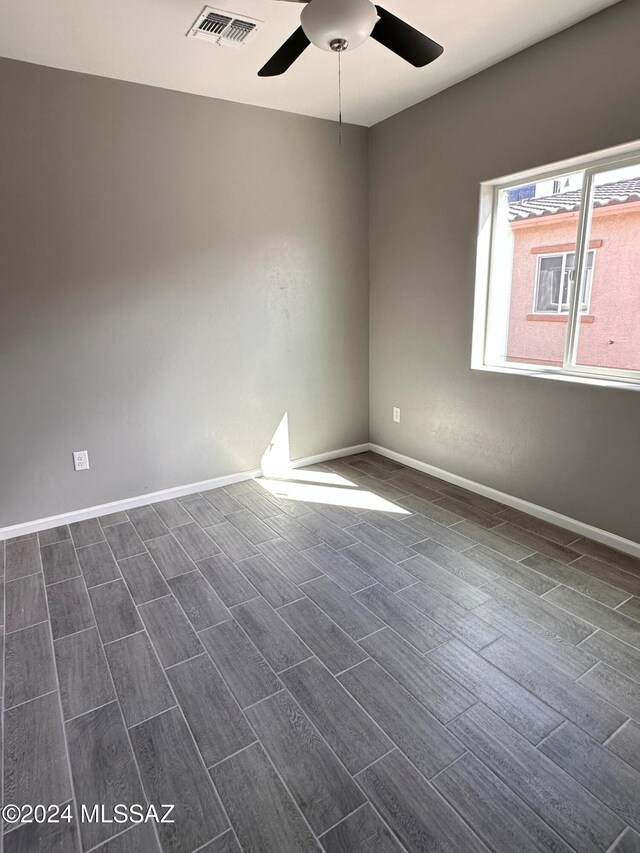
x: 340, y: 25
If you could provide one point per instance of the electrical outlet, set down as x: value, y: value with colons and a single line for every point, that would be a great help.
x: 396, y: 414
x: 81, y: 460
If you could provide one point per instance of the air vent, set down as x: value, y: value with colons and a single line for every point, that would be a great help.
x: 224, y: 28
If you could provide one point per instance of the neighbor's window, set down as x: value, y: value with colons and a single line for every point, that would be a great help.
x: 554, y: 275
x: 558, y: 287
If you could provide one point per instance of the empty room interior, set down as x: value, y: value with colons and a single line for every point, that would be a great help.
x: 320, y: 426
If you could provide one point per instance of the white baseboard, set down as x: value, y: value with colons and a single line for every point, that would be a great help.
x: 28, y: 527
x: 572, y: 524
x: 332, y: 454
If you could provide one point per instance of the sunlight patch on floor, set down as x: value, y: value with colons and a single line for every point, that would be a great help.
x: 312, y: 493
x: 302, y: 475
x: 312, y: 486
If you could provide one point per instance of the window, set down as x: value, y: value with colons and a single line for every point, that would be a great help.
x: 554, y: 276
x: 558, y: 272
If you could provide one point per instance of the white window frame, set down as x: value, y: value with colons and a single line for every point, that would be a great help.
x: 560, y: 312
x: 486, y: 266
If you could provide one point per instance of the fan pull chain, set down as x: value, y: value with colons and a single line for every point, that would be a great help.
x: 338, y: 45
x: 339, y: 99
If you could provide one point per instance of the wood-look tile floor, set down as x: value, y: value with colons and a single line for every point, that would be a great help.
x: 431, y: 672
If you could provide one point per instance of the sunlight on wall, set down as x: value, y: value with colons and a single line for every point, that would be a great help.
x: 276, y: 460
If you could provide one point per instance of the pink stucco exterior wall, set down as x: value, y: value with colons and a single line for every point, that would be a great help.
x: 614, y: 310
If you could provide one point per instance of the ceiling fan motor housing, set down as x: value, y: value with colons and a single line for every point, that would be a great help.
x: 338, y: 21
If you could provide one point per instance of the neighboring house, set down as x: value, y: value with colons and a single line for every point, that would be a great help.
x: 544, y: 239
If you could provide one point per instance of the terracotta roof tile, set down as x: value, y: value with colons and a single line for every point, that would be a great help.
x: 606, y: 195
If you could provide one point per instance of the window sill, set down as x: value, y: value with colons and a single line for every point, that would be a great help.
x: 562, y: 376
x: 559, y: 318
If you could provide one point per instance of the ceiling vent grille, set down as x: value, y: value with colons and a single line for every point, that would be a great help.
x: 224, y: 28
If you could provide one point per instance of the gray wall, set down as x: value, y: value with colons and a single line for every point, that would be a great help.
x: 572, y: 448
x: 175, y: 274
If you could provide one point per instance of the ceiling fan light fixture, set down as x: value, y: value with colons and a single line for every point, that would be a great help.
x: 337, y: 21
x: 340, y: 25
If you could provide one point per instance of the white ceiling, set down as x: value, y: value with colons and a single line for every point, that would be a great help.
x: 144, y: 41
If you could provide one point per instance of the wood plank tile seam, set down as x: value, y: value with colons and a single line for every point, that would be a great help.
x: 128, y: 737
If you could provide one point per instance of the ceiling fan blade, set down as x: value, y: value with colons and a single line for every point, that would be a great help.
x: 286, y: 55
x: 405, y: 41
